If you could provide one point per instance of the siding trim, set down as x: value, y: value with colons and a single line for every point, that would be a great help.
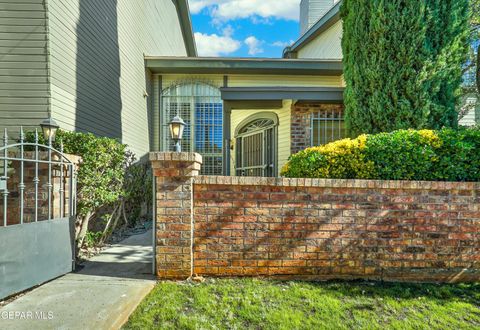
x: 186, y: 26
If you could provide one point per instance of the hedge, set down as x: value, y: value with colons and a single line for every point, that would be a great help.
x: 443, y: 155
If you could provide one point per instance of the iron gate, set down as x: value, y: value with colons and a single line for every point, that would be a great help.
x: 37, y: 213
x: 255, y: 149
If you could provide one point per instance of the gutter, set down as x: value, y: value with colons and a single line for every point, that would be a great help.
x: 183, y: 12
x: 326, y: 21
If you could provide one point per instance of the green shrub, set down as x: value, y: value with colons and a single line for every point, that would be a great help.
x: 459, y: 156
x: 444, y: 155
x: 102, y: 175
x: 340, y: 159
x: 404, y: 154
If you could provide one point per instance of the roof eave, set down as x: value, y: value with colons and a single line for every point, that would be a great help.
x: 187, y: 65
x: 183, y: 13
x: 327, y: 20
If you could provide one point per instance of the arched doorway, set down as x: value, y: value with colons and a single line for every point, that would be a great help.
x: 256, y: 145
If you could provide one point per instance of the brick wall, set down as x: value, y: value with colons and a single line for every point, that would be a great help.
x: 323, y: 229
x: 301, y: 123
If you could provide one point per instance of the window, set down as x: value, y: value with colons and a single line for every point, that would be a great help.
x: 327, y: 126
x: 201, y: 107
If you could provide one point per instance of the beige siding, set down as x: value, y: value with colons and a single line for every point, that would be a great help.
x: 284, y: 119
x: 24, y: 87
x: 473, y: 116
x: 325, y: 46
x: 99, y: 83
x: 276, y: 81
x: 250, y: 80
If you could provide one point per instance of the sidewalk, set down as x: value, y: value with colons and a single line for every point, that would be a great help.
x: 100, y: 296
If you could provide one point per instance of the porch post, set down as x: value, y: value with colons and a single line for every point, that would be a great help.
x: 227, y: 137
x: 173, y: 174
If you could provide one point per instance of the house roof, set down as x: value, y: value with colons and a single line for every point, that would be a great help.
x: 222, y: 65
x: 183, y: 13
x: 325, y: 22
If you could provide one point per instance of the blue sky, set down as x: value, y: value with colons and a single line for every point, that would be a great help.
x: 244, y: 28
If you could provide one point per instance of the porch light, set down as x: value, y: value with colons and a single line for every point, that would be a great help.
x: 177, y: 126
x: 49, y: 128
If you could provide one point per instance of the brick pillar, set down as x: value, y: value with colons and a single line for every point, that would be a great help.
x: 173, y: 173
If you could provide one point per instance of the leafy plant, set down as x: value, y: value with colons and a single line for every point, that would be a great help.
x: 340, y: 159
x: 444, y: 155
x: 102, y: 178
x: 403, y: 63
x: 92, y: 238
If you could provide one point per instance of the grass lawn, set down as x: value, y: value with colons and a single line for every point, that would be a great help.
x: 263, y: 304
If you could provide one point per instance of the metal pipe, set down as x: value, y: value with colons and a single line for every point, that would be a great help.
x: 49, y: 183
x: 22, y: 183
x: 61, y: 184
x: 5, y: 173
x: 35, y: 179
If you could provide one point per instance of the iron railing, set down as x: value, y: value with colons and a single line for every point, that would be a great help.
x: 14, y: 160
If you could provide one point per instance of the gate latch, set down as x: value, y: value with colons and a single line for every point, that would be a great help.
x: 3, y: 184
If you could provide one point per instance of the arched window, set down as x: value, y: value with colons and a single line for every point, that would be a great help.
x: 256, y: 145
x: 201, y: 107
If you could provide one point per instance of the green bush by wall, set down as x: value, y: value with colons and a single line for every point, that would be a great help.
x: 443, y: 155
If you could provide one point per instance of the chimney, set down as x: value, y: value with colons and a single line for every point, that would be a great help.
x: 311, y: 11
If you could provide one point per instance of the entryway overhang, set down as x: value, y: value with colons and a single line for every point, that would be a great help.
x: 316, y: 94
x: 219, y: 65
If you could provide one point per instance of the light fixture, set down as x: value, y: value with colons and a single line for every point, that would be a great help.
x: 177, y: 126
x: 49, y: 129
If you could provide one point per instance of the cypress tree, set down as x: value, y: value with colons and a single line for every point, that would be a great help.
x: 402, y: 63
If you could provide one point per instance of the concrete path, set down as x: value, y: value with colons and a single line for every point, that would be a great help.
x: 102, y: 295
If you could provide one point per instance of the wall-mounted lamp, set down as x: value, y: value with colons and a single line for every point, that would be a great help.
x: 49, y: 129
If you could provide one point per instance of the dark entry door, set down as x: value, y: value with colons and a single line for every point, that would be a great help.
x: 256, y: 149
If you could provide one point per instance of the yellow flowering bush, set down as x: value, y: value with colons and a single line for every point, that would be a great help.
x: 340, y: 159
x: 443, y: 155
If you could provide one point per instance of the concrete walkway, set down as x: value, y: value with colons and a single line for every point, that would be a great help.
x: 102, y: 295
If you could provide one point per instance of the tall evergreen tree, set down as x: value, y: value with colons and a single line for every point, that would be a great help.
x: 402, y: 62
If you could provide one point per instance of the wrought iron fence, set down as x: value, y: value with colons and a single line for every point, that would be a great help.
x: 37, y: 182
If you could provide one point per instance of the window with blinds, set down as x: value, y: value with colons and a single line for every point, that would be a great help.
x: 201, y: 107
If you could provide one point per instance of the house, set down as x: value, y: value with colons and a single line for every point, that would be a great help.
x: 247, y: 116
x: 82, y: 63
x: 124, y: 69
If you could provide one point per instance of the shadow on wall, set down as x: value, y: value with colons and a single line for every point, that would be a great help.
x: 98, y: 99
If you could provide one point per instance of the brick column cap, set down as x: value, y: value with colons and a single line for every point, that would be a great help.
x: 176, y: 157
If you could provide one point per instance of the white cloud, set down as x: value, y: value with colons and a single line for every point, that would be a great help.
x: 215, y: 45
x: 228, y: 31
x: 283, y: 44
x: 254, y: 45
x: 234, y: 9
